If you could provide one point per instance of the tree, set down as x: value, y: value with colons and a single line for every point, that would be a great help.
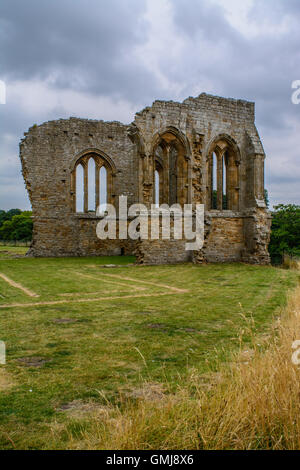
x: 8, y: 215
x: 285, y: 235
x: 19, y: 227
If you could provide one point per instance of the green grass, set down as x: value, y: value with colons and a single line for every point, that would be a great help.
x: 131, y: 335
x: 7, y: 251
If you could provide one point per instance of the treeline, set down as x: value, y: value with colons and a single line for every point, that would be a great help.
x: 285, y: 234
x: 16, y: 225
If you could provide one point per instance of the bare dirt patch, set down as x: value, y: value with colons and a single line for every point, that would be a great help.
x: 35, y: 361
x: 158, y: 326
x: 64, y: 320
x: 163, y: 327
x: 80, y: 409
x: 148, y: 392
x: 191, y: 330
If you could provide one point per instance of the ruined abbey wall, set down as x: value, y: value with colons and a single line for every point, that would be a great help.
x: 177, y: 141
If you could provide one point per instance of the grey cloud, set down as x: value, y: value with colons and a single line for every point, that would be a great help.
x: 274, y: 11
x: 201, y: 17
x: 81, y: 45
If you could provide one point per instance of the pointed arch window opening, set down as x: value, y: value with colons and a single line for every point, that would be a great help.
x: 172, y: 165
x: 91, y: 182
x: 223, y: 182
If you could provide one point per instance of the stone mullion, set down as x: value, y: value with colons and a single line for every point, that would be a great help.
x: 142, y: 170
x: 209, y: 187
x: 180, y: 170
x: 161, y: 185
x: 109, y: 186
x: 230, y: 183
x: 97, y: 185
x: 73, y: 189
x: 186, y: 179
x: 151, y: 168
x: 228, y: 179
x: 183, y: 182
x: 153, y: 180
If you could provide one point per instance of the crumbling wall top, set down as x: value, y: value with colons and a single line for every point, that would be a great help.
x: 207, y: 104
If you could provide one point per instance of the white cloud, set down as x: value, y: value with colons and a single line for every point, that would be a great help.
x: 39, y: 98
x: 240, y: 15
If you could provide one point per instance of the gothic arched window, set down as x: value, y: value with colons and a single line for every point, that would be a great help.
x: 223, y: 176
x: 91, y: 182
x: 170, y: 169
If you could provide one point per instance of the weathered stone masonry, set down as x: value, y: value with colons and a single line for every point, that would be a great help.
x: 204, y: 150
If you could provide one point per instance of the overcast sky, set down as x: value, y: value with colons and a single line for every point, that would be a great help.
x: 107, y: 59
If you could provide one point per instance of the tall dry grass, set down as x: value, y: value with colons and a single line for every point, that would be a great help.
x: 254, y: 404
x: 290, y: 262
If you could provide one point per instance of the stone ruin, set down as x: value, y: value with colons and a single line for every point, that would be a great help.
x: 204, y: 150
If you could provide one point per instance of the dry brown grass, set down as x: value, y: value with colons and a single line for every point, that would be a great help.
x: 290, y: 262
x: 257, y: 406
x: 254, y: 404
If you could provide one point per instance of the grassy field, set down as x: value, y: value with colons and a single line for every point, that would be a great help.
x: 81, y: 337
x: 8, y: 252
